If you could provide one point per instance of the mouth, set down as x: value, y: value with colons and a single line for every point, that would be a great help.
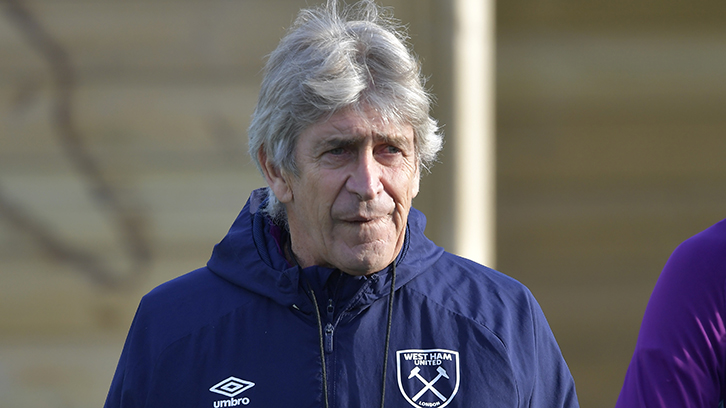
x: 360, y: 219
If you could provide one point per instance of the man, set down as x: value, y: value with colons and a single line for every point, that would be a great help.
x: 680, y: 357
x: 325, y: 292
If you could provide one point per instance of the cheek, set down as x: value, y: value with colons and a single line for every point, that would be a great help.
x: 403, y: 187
x: 322, y: 194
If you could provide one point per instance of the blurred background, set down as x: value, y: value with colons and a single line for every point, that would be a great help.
x: 123, y: 161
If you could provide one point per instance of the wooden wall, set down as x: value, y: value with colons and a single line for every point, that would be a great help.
x: 123, y: 161
x: 611, y: 143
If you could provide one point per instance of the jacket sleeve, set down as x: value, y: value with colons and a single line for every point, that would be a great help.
x: 553, y: 383
x: 679, y: 356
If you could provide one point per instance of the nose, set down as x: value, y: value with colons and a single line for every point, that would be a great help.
x: 365, y: 178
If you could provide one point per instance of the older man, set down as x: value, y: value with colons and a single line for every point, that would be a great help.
x: 325, y: 292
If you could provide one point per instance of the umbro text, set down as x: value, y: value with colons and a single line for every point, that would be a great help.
x: 232, y: 402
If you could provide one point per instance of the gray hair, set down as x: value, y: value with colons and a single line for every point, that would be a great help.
x: 331, y: 60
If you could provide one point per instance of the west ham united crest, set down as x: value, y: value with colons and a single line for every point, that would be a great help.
x: 428, y: 378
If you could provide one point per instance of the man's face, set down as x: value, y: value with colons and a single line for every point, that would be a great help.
x: 348, y: 206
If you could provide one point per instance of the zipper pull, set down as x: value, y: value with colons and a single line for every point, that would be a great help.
x: 329, y: 329
x: 331, y: 309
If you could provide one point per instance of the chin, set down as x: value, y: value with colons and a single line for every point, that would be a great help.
x: 367, y: 263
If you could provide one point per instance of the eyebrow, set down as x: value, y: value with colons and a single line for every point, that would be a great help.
x: 339, y: 142
x: 394, y: 139
x: 335, y: 142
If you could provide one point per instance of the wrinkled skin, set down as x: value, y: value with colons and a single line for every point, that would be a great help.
x: 348, y: 205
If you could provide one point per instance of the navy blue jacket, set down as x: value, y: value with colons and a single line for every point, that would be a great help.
x: 245, y: 331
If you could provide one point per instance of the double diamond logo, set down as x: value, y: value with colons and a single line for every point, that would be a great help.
x: 428, y: 378
x: 232, y: 386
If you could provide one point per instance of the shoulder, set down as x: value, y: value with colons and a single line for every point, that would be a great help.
x: 462, y: 274
x: 185, y: 304
x: 489, y: 297
x: 706, y: 249
x: 188, y: 291
x: 688, y: 296
x: 488, y: 304
x: 695, y: 266
x: 682, y: 328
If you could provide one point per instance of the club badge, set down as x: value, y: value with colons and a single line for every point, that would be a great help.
x: 428, y: 378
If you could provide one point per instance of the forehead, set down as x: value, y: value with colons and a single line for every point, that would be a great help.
x: 353, y: 124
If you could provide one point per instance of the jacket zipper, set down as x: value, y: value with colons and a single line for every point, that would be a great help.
x: 329, y: 328
x: 328, y: 332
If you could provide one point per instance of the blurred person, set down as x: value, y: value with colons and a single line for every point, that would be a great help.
x: 326, y: 292
x: 680, y: 356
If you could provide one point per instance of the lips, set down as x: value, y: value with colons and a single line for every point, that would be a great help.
x: 362, y: 214
x: 361, y: 219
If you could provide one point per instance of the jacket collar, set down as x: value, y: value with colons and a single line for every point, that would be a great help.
x: 249, y: 256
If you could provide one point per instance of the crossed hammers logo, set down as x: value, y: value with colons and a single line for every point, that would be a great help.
x: 428, y: 385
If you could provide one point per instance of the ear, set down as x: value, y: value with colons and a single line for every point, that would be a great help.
x: 275, y: 178
x: 416, y: 181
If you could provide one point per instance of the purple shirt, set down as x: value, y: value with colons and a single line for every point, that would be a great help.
x: 679, y: 359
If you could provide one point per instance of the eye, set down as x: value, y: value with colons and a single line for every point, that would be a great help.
x: 336, y: 155
x: 336, y: 152
x: 392, y: 149
x: 390, y: 155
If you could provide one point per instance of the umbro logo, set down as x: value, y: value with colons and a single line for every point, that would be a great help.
x: 231, y: 387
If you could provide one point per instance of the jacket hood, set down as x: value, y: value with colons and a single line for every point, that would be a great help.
x: 249, y: 256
